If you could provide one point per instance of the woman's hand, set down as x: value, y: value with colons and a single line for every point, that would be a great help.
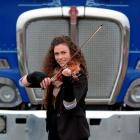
x: 67, y: 72
x: 24, y: 81
x: 45, y: 83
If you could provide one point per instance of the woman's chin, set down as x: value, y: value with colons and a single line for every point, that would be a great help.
x: 62, y: 65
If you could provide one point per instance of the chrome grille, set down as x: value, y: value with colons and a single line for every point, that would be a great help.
x: 102, y: 54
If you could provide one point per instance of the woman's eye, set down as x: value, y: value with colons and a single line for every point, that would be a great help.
x: 63, y: 52
x: 56, y: 54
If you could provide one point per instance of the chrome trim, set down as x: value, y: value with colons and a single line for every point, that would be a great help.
x: 124, y: 25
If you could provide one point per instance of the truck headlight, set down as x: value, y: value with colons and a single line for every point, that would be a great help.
x: 135, y: 95
x: 132, y: 97
x: 7, y: 94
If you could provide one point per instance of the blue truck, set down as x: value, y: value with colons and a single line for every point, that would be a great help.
x: 112, y: 56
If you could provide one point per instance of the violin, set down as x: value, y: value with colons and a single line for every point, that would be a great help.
x: 73, y: 66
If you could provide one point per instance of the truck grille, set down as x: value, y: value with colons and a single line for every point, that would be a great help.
x: 102, y: 54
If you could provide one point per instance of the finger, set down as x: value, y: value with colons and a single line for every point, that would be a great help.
x: 46, y: 83
x: 49, y: 80
x: 42, y: 84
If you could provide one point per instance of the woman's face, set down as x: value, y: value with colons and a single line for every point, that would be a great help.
x: 62, y: 54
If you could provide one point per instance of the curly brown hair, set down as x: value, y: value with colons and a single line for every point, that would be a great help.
x: 50, y: 63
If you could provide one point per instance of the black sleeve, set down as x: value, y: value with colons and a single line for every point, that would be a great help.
x: 68, y: 89
x: 75, y: 88
x: 35, y: 78
x: 80, y: 87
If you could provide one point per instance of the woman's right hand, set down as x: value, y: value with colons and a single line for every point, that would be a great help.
x: 45, y: 83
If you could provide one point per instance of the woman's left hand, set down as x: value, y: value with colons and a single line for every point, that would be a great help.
x: 67, y: 72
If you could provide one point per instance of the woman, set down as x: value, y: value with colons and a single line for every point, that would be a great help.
x: 65, y: 92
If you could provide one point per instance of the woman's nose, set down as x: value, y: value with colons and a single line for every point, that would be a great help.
x: 60, y: 56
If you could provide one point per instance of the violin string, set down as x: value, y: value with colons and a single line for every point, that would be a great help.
x: 83, y: 45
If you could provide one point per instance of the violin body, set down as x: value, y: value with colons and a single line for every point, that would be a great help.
x: 73, y: 66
